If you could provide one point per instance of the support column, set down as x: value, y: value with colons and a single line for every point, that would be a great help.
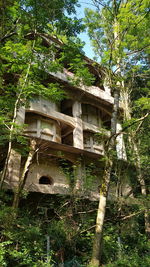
x: 78, y: 134
x: 76, y: 109
x: 78, y: 131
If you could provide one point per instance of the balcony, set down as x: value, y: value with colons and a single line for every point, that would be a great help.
x: 72, y: 123
x: 92, y: 143
x: 47, y: 129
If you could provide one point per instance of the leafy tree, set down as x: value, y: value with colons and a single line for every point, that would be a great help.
x: 32, y: 32
x: 26, y: 42
x: 118, y: 31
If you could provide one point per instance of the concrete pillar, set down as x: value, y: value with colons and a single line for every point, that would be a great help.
x: 39, y: 128
x: 76, y: 109
x: 78, y: 130
x: 107, y: 86
x: 78, y: 134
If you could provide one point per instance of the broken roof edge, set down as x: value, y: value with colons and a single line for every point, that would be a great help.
x: 48, y: 38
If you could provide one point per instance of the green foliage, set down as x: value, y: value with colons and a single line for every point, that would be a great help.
x: 24, y: 240
x: 24, y: 15
x: 25, y: 70
x: 131, y: 261
x: 3, y: 250
x: 69, y: 223
x: 130, y: 21
x: 143, y: 103
x: 52, y: 91
x: 91, y: 172
x: 72, y: 56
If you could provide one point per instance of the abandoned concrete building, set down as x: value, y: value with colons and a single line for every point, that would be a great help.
x: 67, y: 137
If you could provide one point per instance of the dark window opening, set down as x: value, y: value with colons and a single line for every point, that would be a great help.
x: 66, y: 107
x: 67, y: 135
x: 46, y: 180
x: 68, y: 140
x: 107, y: 124
x: 91, y: 114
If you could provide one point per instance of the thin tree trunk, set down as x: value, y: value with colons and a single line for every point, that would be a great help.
x: 127, y: 116
x: 10, y: 142
x: 23, y: 177
x: 17, y: 103
x: 141, y: 181
x: 97, y: 244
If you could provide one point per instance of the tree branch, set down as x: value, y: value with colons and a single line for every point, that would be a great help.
x: 7, y: 36
x: 131, y: 215
x: 138, y: 50
x: 128, y: 126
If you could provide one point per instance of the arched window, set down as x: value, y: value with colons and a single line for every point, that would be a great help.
x: 46, y: 180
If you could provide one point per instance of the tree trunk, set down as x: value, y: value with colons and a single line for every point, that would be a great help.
x: 10, y: 142
x: 23, y: 177
x: 141, y: 181
x: 97, y: 244
x: 111, y: 148
x: 133, y: 144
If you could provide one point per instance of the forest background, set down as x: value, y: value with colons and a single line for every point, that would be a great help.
x: 119, y: 32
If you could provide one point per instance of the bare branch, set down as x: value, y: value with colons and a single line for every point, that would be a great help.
x: 128, y: 126
x: 84, y: 212
x: 138, y: 50
x: 7, y: 126
x: 7, y: 36
x: 87, y: 229
x: 99, y: 2
x: 132, y: 215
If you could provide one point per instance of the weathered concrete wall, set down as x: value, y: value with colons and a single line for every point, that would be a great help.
x: 43, y: 128
x: 91, y: 115
x: 20, y: 115
x: 93, y: 90
x: 49, y: 169
x: 13, y: 173
x: 49, y: 112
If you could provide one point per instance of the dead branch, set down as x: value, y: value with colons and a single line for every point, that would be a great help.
x: 131, y: 215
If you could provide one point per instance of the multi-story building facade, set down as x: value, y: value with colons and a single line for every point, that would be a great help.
x: 70, y: 136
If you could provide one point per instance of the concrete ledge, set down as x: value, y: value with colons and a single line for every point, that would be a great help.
x: 35, y: 108
x: 63, y: 148
x: 93, y: 90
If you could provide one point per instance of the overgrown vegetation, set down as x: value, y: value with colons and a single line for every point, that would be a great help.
x: 69, y: 224
x: 50, y: 230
